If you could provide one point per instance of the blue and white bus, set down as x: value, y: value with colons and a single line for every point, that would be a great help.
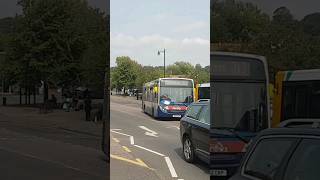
x: 167, y: 97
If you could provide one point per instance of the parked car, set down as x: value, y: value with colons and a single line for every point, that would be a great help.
x: 194, y: 132
x: 289, y: 152
x: 222, y: 148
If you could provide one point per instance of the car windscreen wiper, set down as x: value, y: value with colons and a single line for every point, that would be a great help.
x: 233, y: 132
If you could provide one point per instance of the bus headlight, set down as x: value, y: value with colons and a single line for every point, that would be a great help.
x: 166, y: 102
x: 163, y: 109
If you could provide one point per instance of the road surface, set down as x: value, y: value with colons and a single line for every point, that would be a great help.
x: 145, y: 148
x: 57, y: 145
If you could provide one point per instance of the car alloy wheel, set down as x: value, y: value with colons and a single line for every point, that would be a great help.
x: 188, y: 150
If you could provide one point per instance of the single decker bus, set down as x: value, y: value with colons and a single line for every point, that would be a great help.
x: 239, y: 103
x: 167, y: 97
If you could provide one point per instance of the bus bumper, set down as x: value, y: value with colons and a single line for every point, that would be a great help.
x: 162, y: 114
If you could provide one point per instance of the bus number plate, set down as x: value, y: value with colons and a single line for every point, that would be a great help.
x: 176, y: 116
x: 218, y: 172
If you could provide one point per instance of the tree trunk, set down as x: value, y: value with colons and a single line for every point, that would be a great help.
x: 29, y: 95
x: 34, y: 95
x: 25, y: 95
x: 45, y: 92
x: 20, y: 93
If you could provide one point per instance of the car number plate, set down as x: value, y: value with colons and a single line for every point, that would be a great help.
x: 176, y: 116
x: 218, y: 172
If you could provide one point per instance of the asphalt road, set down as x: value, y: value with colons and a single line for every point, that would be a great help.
x: 145, y: 148
x: 57, y: 145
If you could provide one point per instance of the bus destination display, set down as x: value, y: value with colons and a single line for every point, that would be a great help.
x: 185, y: 83
x: 230, y: 68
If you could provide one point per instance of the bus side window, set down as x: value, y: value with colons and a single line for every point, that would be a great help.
x: 315, y: 99
x: 151, y: 94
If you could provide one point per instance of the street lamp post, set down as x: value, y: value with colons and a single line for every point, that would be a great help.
x: 164, y: 61
x: 2, y: 56
x: 106, y: 103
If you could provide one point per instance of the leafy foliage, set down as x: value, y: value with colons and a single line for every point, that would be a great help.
x: 128, y: 74
x: 286, y: 42
x: 60, y: 42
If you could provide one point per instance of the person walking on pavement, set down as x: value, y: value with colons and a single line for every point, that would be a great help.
x: 87, y: 107
x: 54, y: 101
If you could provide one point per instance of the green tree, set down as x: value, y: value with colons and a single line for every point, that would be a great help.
x: 311, y: 24
x: 235, y: 21
x: 125, y: 73
x: 61, y: 43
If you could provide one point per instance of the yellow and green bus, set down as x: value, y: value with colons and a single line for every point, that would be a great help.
x: 296, y: 95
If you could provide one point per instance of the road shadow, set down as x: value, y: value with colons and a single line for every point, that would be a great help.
x: 201, y: 165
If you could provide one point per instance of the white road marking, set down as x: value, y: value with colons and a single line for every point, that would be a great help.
x: 120, y: 133
x: 149, y: 150
x: 167, y: 159
x: 171, y: 168
x: 131, y: 140
x: 150, y: 132
x: 115, y: 129
x: 177, y: 127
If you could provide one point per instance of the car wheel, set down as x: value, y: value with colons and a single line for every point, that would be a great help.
x: 188, y: 150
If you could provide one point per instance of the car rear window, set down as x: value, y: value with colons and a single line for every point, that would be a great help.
x: 304, y: 164
x: 267, y: 156
x: 193, y: 111
x: 205, y: 115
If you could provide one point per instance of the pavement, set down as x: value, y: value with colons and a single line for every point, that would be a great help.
x: 57, y: 145
x: 145, y: 148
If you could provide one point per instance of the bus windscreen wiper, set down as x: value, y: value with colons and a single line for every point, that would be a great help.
x: 233, y: 132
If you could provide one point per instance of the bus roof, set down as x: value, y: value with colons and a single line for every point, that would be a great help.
x: 159, y: 79
x: 245, y: 55
x: 175, y: 78
x: 300, y: 75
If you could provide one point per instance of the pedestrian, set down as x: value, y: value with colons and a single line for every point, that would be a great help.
x: 75, y: 103
x: 87, y: 107
x: 54, y: 101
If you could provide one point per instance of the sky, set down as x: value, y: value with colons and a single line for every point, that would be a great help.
x: 139, y: 28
